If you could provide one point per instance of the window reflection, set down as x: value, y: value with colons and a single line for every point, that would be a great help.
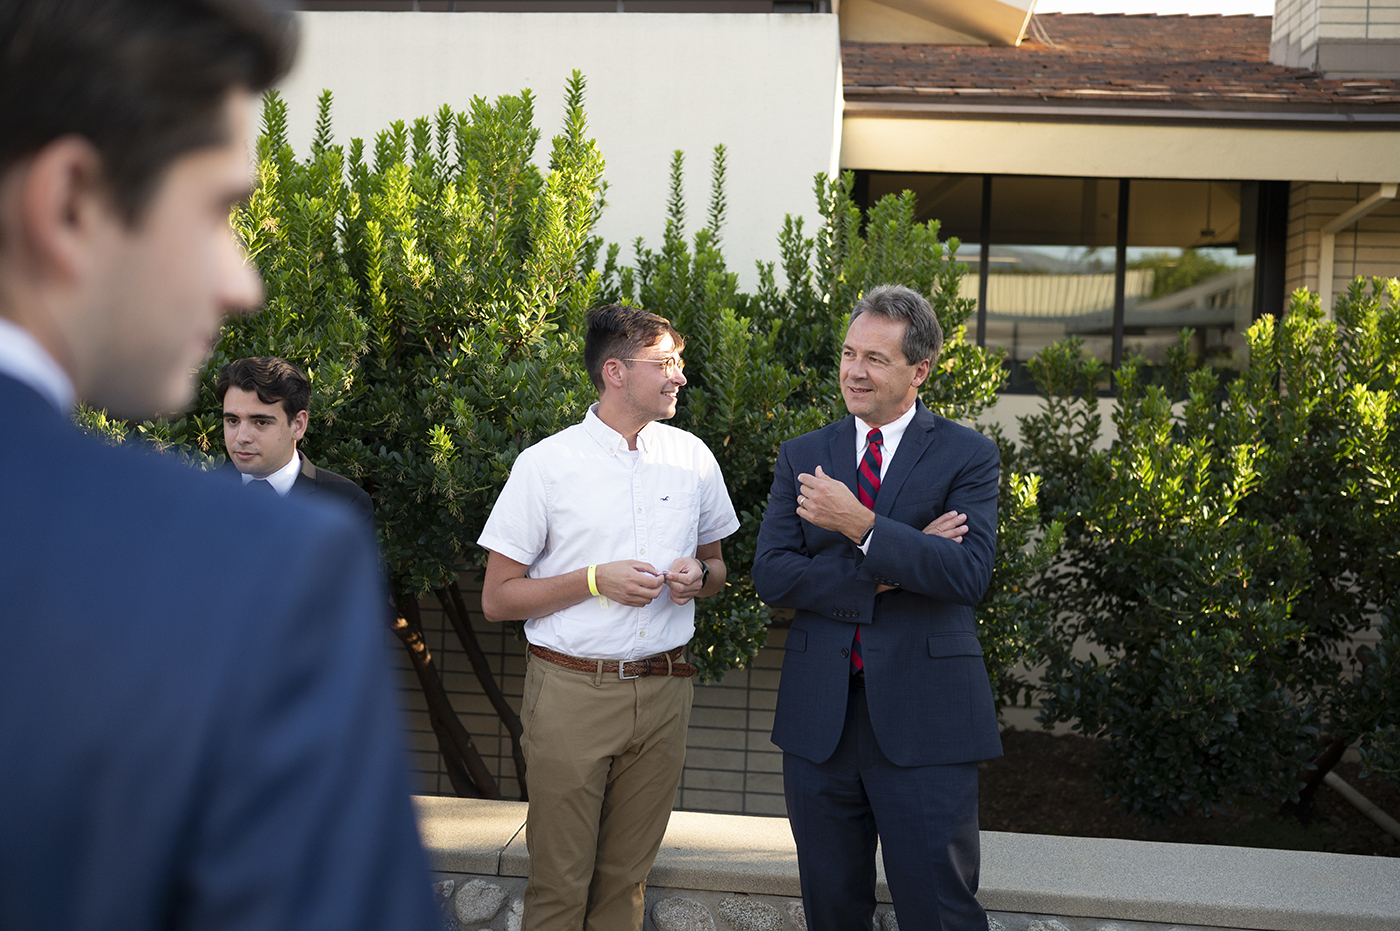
x: 1053, y: 246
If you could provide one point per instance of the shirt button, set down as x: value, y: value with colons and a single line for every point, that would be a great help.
x: 845, y: 653
x: 639, y: 510
x: 641, y: 633
x: 643, y: 551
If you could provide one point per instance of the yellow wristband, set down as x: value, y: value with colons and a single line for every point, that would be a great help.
x: 593, y: 581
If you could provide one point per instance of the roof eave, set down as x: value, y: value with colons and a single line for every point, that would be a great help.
x: 1336, y: 119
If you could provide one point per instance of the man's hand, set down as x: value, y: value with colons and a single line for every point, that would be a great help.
x: 629, y: 582
x: 950, y: 526
x: 830, y: 505
x: 685, y: 577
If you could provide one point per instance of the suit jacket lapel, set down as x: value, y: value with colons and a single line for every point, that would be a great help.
x: 843, y: 452
x: 917, y: 438
x: 306, y: 477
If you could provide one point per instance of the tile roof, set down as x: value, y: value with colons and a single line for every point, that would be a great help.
x: 1139, y: 62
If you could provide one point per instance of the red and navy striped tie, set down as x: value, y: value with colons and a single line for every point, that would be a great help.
x: 867, y: 487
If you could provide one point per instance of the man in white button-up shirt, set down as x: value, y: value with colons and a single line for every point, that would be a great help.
x: 602, y: 538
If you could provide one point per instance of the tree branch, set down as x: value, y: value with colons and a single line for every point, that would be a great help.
x: 454, y: 606
x: 463, y: 762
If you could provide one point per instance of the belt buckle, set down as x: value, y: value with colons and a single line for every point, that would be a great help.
x: 622, y: 664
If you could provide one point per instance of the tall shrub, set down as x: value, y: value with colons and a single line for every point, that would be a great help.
x: 1221, y: 555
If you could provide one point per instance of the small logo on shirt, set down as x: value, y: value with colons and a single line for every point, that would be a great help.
x: 665, y: 497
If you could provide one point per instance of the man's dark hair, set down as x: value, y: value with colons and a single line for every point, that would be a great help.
x: 923, y: 337
x: 272, y: 379
x: 620, y: 332
x: 145, y: 81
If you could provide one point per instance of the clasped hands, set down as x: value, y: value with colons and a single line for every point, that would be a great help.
x: 828, y: 503
x: 636, y: 584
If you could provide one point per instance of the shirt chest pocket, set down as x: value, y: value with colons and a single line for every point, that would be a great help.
x: 674, y: 520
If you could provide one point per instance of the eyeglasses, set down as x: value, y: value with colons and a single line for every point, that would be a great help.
x: 671, y: 366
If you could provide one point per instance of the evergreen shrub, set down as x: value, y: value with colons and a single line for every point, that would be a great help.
x: 1221, y: 557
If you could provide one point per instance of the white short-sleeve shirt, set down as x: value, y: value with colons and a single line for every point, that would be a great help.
x: 580, y: 498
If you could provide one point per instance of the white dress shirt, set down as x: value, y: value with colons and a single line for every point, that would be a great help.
x: 284, y: 478
x: 890, y: 435
x: 24, y: 360
x: 581, y: 498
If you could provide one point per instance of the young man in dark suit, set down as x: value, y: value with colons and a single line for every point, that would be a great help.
x: 884, y: 706
x: 171, y: 756
x: 266, y: 402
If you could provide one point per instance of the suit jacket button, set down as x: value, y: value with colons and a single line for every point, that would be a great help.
x: 845, y: 653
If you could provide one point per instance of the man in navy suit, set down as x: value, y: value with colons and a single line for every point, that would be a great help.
x: 884, y: 707
x: 267, y: 406
x: 197, y: 728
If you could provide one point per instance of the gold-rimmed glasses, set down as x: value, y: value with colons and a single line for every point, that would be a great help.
x: 671, y: 366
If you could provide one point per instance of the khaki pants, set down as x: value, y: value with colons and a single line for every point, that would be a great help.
x: 604, y: 760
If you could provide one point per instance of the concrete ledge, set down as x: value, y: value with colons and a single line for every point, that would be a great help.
x: 1104, y: 879
x: 1230, y: 887
x: 468, y: 835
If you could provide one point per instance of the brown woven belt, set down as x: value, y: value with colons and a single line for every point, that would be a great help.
x: 662, y: 664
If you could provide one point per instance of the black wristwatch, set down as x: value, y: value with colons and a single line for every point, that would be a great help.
x: 865, y: 537
x: 704, y: 572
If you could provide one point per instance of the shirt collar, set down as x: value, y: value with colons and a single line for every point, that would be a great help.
x: 23, y: 359
x: 890, y: 433
x: 284, y: 478
x: 610, y: 439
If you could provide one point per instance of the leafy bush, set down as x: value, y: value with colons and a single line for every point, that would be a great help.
x: 1222, y: 555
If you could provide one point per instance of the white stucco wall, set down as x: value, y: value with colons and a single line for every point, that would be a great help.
x: 767, y: 86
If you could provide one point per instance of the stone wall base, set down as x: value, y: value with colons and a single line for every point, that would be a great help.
x: 471, y: 902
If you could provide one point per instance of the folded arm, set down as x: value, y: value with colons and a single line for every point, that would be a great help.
x: 950, y: 559
x: 939, y: 567
x: 788, y: 574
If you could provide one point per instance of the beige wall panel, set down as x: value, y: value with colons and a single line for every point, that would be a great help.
x: 1113, y: 151
x: 768, y: 87
x: 1370, y: 247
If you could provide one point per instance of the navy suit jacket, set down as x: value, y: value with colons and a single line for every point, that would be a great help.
x: 198, y: 728
x: 928, y: 693
x: 322, y: 484
x: 325, y: 485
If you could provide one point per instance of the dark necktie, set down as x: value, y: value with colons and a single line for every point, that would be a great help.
x: 261, y: 486
x: 867, y: 487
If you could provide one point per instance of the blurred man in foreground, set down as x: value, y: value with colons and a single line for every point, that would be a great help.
x: 196, y: 725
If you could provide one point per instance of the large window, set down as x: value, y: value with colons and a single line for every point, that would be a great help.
x: 1051, y: 257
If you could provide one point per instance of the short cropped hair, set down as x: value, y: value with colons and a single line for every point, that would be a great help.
x: 616, y: 331
x: 145, y: 81
x: 274, y: 380
x: 923, y: 337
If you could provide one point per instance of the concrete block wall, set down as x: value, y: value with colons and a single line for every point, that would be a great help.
x: 731, y: 765
x: 1358, y: 19
x: 1294, y: 28
x: 1369, y: 247
x: 1302, y: 28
